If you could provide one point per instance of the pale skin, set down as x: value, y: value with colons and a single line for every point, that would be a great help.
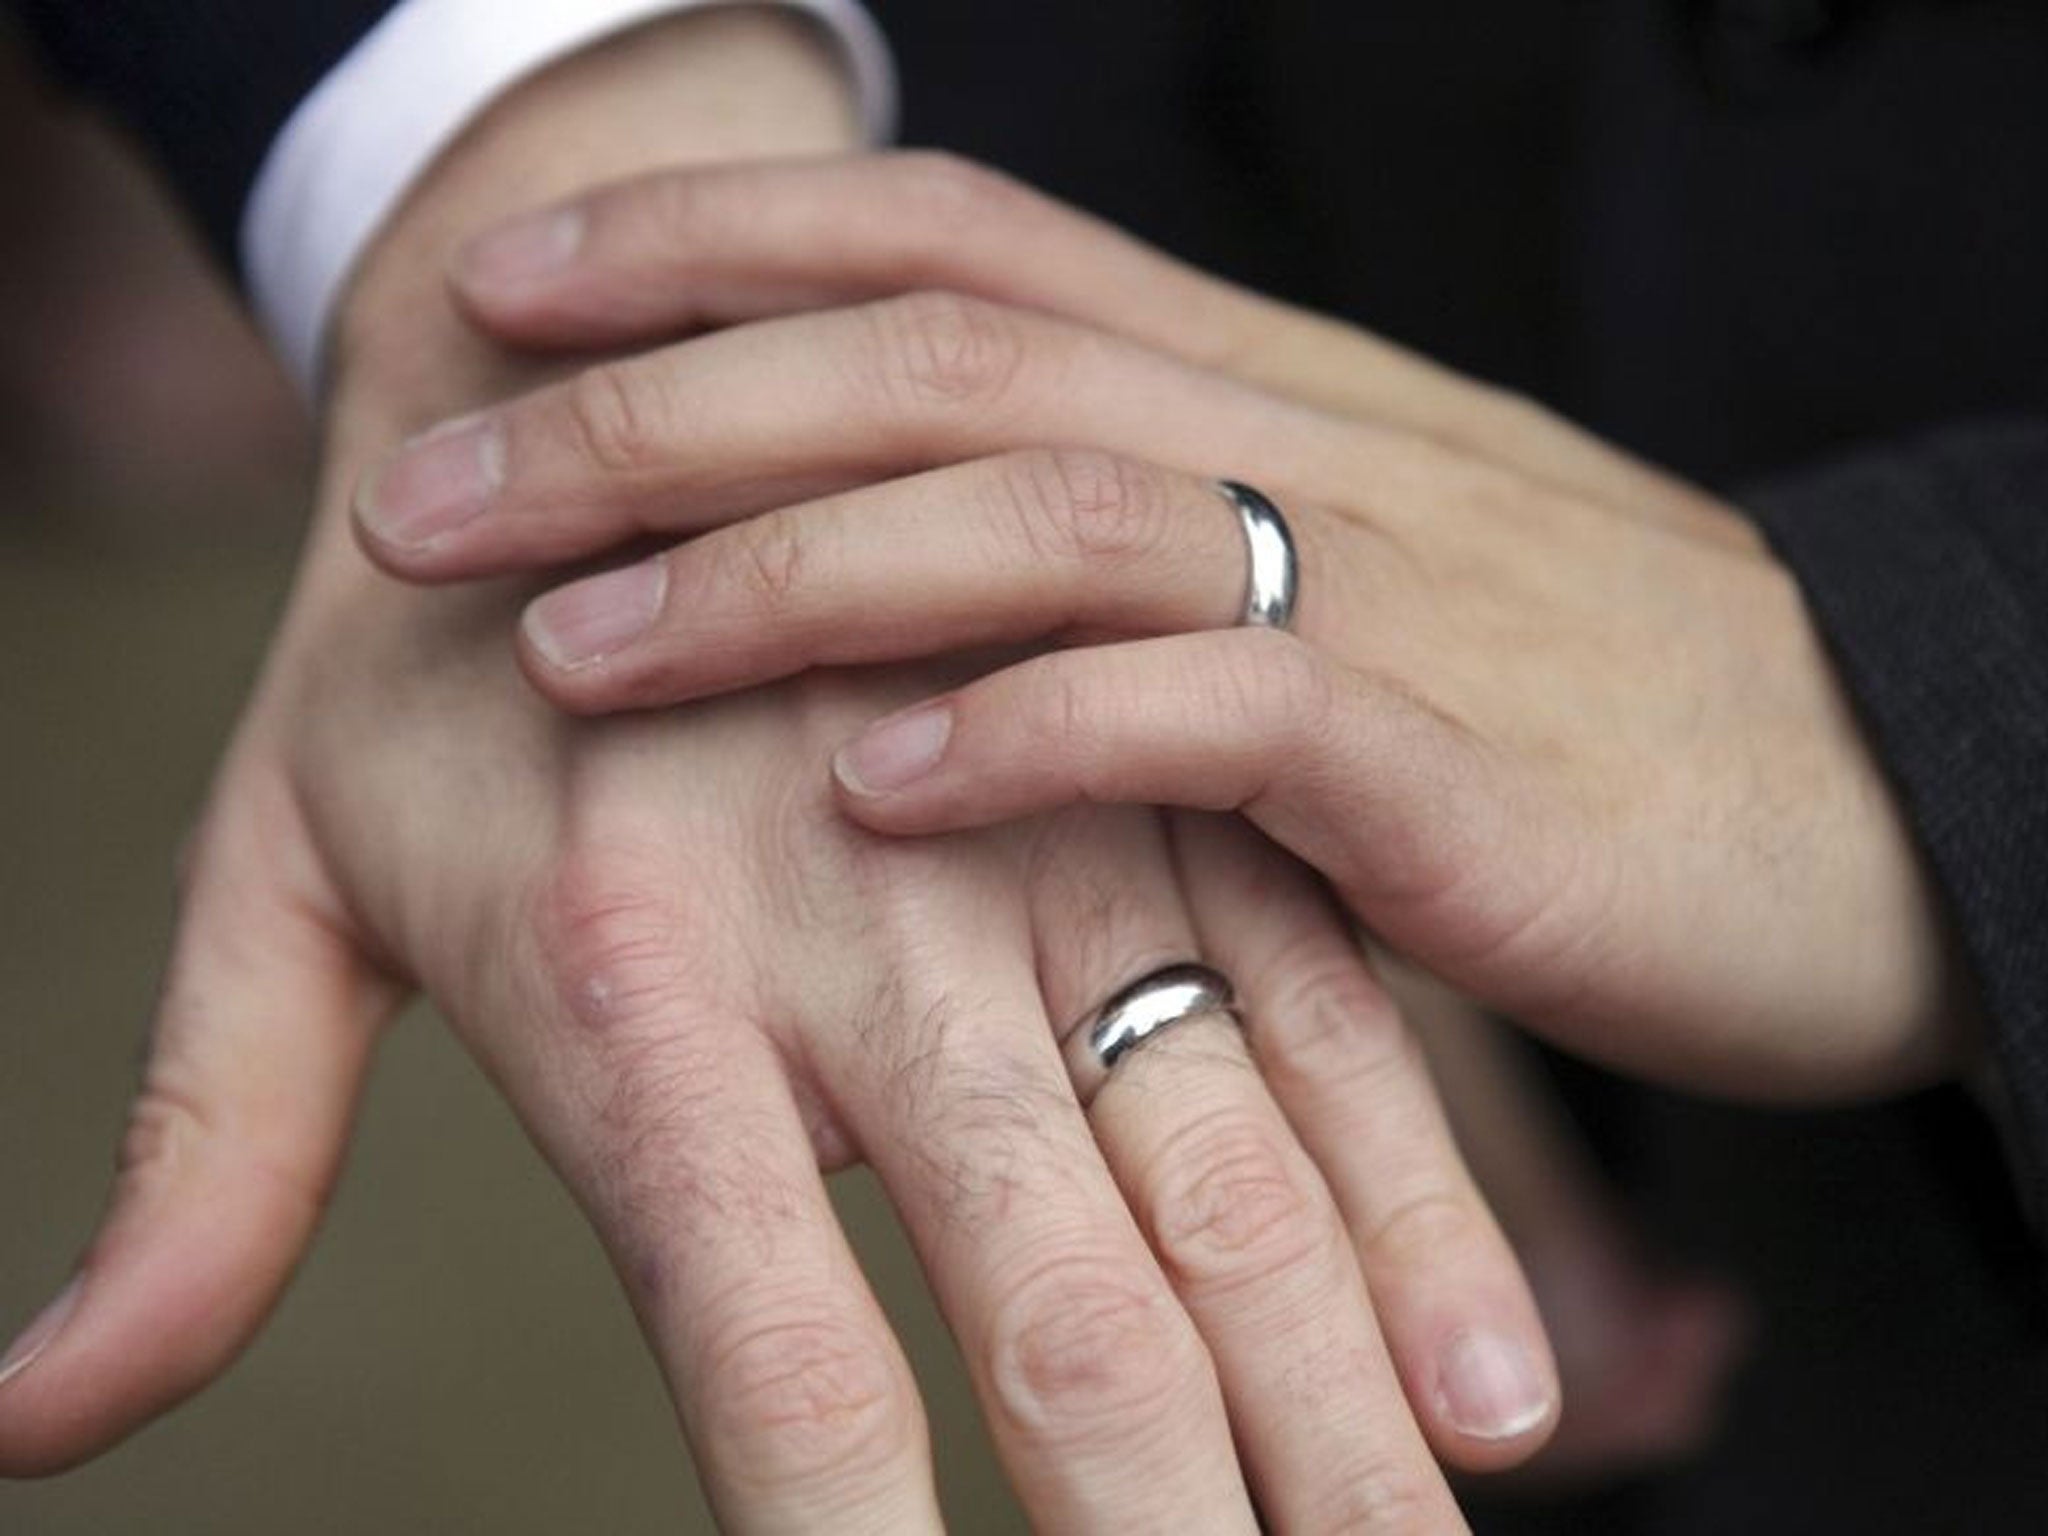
x: 699, y: 984
x: 1554, y: 725
x: 1643, y: 1354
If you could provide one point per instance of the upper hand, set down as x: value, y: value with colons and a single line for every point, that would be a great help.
x: 1555, y: 725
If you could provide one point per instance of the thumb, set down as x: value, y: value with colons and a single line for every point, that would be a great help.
x: 258, y: 1051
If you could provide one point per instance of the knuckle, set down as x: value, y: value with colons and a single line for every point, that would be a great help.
x: 611, y: 420
x: 1268, y: 679
x: 671, y: 204
x: 771, y: 559
x: 173, y: 1121
x: 801, y: 1397
x: 948, y: 350
x: 1059, y: 704
x: 947, y: 193
x: 1330, y: 1024
x: 1082, y: 504
x: 1380, y: 1496
x: 1421, y: 1228
x: 1291, y: 680
x: 609, y: 940
x: 1084, y: 1343
x: 163, y: 1122
x: 1231, y: 1209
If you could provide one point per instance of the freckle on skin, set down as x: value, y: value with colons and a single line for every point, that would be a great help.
x: 594, y: 1002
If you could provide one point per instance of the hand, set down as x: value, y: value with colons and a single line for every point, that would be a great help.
x: 1643, y: 1355
x: 1554, y: 726
x: 697, y: 984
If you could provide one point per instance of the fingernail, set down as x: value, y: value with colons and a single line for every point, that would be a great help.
x: 580, y: 623
x: 894, y: 752
x: 39, y: 1335
x: 525, y: 250
x: 437, y: 483
x: 1490, y: 1388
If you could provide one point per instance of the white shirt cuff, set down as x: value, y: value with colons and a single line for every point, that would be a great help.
x: 366, y: 133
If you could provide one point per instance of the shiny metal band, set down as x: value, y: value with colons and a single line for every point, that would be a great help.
x: 1273, y: 580
x: 1134, y: 1015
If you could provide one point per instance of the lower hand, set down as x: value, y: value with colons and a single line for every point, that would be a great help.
x: 698, y: 985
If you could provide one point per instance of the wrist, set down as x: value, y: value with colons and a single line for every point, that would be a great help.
x: 709, y: 85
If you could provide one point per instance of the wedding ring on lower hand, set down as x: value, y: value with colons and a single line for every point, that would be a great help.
x: 1139, y: 1012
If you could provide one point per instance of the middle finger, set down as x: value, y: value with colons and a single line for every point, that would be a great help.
x: 696, y: 434
x: 1070, y: 542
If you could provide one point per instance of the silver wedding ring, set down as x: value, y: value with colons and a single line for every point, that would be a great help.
x: 1274, y: 578
x: 1142, y: 1010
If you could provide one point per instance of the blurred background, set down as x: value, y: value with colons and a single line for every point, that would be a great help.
x: 456, y: 1356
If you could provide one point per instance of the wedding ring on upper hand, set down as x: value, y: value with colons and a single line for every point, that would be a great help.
x: 1273, y: 579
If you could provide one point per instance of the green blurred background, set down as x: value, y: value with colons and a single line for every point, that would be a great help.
x: 456, y: 1356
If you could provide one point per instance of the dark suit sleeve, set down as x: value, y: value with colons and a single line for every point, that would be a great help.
x: 204, y: 84
x: 1926, y: 568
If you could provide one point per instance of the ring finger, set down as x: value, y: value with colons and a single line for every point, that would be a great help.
x: 1075, y: 543
x: 1235, y: 1209
x: 1355, y: 1086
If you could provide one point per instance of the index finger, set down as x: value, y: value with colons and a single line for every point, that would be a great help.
x: 700, y: 248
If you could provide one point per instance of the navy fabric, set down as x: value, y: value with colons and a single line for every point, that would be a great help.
x: 1927, y: 567
x: 204, y: 85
